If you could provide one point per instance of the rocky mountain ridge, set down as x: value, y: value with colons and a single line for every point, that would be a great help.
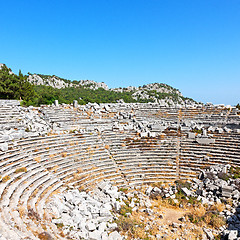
x: 153, y: 92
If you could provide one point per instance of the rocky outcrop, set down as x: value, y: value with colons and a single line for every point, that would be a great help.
x: 52, y: 81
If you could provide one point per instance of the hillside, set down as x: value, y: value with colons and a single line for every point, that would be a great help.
x: 48, y: 88
x: 91, y: 91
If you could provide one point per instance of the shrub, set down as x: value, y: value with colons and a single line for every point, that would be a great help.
x: 22, y: 169
x: 223, y: 176
x: 44, y: 236
x: 124, y: 210
x: 181, y: 184
x: 123, y: 190
x: 199, y: 131
x: 21, y: 211
x: 59, y: 225
x: 235, y: 172
x: 209, y: 218
x: 200, y: 211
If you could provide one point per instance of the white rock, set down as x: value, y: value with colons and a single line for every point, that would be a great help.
x: 95, y: 235
x: 90, y: 226
x: 104, y: 236
x: 102, y: 226
x: 117, y: 206
x: 3, y: 147
x: 148, y: 191
x: 112, y: 226
x: 115, y: 236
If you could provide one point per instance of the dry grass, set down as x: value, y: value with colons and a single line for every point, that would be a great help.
x: 77, y: 177
x: 44, y: 236
x: 159, y: 202
x: 22, y: 211
x: 107, y: 147
x: 52, y: 155
x: 64, y: 154
x: 80, y: 170
x: 5, y: 178
x: 55, y: 168
x: 219, y: 207
x: 199, y: 211
x: 37, y: 159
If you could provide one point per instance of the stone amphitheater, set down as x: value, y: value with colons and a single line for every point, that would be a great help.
x: 46, y: 150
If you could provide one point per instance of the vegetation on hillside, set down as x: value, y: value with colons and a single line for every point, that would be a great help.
x: 14, y: 86
x: 47, y: 95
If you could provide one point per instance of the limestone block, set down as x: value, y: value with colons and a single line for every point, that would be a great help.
x: 233, y: 234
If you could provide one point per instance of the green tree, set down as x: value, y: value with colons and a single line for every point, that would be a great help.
x: 14, y: 86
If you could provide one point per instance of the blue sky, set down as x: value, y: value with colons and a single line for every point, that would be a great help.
x: 191, y: 45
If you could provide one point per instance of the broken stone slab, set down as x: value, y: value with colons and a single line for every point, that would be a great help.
x: 104, y: 185
x: 3, y: 147
x: 186, y: 191
x: 209, y: 233
x: 113, y: 192
x: 205, y: 141
x: 104, y: 213
x: 203, y: 200
x: 117, y: 206
x: 227, y: 191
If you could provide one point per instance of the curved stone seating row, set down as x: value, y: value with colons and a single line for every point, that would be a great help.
x: 5, y: 199
x: 194, y: 157
x: 51, y: 163
x: 142, y: 159
x: 10, y: 117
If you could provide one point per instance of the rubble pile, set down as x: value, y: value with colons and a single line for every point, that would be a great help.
x: 28, y: 123
x: 87, y: 215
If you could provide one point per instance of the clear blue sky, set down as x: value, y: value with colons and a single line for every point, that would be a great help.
x: 193, y: 45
